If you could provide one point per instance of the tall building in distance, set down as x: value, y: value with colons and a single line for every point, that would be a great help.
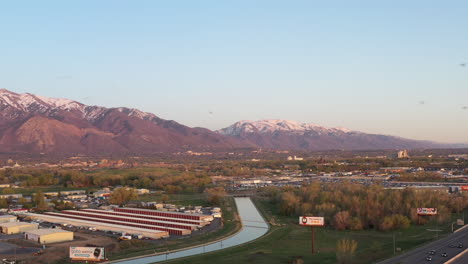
x: 403, y: 154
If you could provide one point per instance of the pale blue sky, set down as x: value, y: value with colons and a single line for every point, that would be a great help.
x: 364, y: 65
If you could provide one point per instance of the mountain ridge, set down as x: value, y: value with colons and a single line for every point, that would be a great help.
x: 36, y: 124
x: 286, y: 134
x: 30, y: 123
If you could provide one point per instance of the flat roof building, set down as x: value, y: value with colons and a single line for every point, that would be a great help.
x: 100, y: 226
x: 123, y: 222
x: 7, y: 218
x: 132, y: 219
x: 179, y: 215
x: 11, y: 196
x: 171, y: 219
x: 17, y: 227
x: 47, y: 236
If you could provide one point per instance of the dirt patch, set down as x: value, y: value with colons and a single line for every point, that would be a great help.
x: 57, y: 252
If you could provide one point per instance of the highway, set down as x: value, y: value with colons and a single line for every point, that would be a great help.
x: 461, y: 258
x: 447, y: 245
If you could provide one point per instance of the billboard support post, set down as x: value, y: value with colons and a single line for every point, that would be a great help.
x: 313, y: 241
x: 312, y: 222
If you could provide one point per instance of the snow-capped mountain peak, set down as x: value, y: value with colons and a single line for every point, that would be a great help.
x: 28, y: 102
x: 276, y: 125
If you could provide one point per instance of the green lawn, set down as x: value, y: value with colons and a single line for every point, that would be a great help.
x: 290, y: 240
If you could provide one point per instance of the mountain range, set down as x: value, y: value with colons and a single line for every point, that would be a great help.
x: 284, y: 134
x: 35, y: 124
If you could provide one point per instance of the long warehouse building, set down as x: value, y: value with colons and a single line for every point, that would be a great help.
x: 133, y: 219
x: 124, y: 221
x: 178, y: 215
x: 17, y: 227
x: 8, y: 218
x: 48, y: 236
x: 162, y: 218
x: 123, y: 228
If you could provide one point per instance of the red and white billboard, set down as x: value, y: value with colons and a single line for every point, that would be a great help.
x: 464, y: 187
x: 427, y: 211
x: 311, y: 221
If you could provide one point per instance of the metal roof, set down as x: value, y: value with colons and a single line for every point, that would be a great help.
x: 13, y: 224
x: 7, y: 216
x: 92, y: 223
x: 41, y: 232
x: 159, y: 211
x: 133, y: 217
x: 143, y: 215
x: 123, y: 223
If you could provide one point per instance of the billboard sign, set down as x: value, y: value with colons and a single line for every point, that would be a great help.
x: 427, y: 211
x: 87, y: 253
x: 311, y: 221
x: 464, y: 187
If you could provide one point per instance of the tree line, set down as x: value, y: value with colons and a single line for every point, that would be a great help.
x: 356, y: 207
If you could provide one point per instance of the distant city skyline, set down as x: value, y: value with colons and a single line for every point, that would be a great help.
x: 387, y: 68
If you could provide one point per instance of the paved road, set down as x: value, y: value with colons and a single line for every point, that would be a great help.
x: 6, y: 237
x: 447, y: 244
x: 7, y: 249
x: 462, y: 259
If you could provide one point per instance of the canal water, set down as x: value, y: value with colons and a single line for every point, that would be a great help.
x: 254, y: 226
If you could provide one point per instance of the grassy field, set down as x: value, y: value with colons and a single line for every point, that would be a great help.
x: 288, y: 241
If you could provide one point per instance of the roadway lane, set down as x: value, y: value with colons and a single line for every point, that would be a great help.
x: 447, y: 244
x: 462, y: 259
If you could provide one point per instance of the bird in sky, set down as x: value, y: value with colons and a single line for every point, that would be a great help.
x: 465, y: 107
x: 463, y: 64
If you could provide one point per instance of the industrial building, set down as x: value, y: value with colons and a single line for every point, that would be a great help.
x: 11, y: 196
x: 17, y: 227
x: 132, y: 219
x: 123, y: 221
x: 48, y: 236
x: 122, y: 228
x: 7, y: 218
x: 178, y: 215
x: 162, y: 218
